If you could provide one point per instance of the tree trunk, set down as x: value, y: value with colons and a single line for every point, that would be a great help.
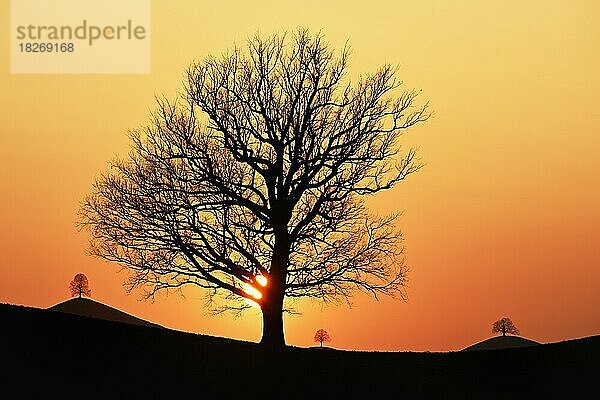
x: 272, y: 312
x: 272, y: 300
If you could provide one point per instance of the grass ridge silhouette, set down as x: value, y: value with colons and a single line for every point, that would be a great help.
x: 63, y: 352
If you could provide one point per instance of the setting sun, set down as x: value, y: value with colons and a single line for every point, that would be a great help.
x: 252, y: 291
x: 262, y: 280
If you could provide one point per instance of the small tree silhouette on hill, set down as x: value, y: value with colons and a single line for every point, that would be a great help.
x: 322, y: 336
x: 80, y: 286
x: 505, y: 325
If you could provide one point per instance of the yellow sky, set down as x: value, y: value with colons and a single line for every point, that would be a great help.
x: 502, y: 221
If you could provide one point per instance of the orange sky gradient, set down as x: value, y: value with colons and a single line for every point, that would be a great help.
x: 502, y: 221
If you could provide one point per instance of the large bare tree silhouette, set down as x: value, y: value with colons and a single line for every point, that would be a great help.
x: 252, y: 186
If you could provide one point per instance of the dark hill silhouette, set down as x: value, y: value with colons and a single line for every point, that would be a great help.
x: 502, y: 342
x: 49, y: 354
x: 90, y: 308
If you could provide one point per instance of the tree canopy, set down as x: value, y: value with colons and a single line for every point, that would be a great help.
x: 251, y: 185
x: 321, y: 336
x: 504, y: 326
x: 80, y: 286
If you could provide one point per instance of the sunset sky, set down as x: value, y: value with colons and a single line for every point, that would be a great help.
x: 503, y: 220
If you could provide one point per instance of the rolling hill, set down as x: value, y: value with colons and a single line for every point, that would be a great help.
x: 90, y: 308
x: 502, y: 342
x: 57, y: 355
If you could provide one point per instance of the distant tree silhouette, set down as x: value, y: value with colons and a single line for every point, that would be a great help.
x: 80, y: 286
x: 504, y: 326
x: 252, y: 188
x: 322, y: 336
